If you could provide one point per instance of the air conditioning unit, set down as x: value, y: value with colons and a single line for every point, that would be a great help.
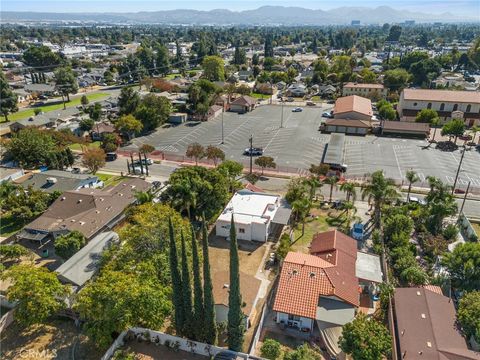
x: 51, y: 180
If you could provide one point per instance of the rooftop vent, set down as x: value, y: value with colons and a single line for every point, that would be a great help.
x: 82, y: 222
x: 226, y: 286
x: 312, y: 274
x: 294, y: 272
x: 79, y: 201
x: 63, y: 198
x: 418, y: 293
x: 423, y: 316
x: 429, y: 344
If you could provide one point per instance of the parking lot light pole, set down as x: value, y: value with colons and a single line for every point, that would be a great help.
x: 464, y: 199
x: 281, y: 118
x: 458, y: 171
x: 223, y: 110
x: 251, y: 153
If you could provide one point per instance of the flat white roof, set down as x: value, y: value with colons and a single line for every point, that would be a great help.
x: 248, y: 207
x: 368, y: 267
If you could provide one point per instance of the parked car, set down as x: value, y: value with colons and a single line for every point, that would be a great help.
x: 76, y: 170
x: 148, y: 161
x: 310, y: 103
x: 414, y: 199
x: 253, y: 151
x: 297, y: 109
x: 327, y: 115
x: 111, y: 156
x: 358, y: 231
x: 290, y: 99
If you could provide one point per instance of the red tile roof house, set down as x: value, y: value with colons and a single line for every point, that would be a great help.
x: 243, y: 104
x: 324, y: 286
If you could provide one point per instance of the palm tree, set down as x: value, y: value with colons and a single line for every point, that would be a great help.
x: 301, y: 208
x: 332, y: 181
x: 313, y: 183
x: 185, y: 199
x: 382, y: 191
x: 144, y: 197
x: 411, y: 177
x: 349, y: 189
x: 347, y: 206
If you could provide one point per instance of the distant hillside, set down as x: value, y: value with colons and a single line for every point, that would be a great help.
x: 266, y: 15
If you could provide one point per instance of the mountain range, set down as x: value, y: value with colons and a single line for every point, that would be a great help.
x: 265, y: 15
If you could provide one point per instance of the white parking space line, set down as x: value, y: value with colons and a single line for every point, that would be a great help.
x: 398, y: 163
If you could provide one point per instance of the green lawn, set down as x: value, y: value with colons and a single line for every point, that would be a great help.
x: 108, y: 179
x: 313, y: 225
x: 74, y: 102
x: 9, y: 226
x: 476, y: 227
x: 315, y: 98
x: 259, y: 96
x: 79, y: 147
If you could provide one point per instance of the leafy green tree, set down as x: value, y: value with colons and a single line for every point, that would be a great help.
x: 67, y: 245
x: 196, y: 190
x: 118, y: 300
x: 265, y: 162
x: 463, y: 265
x: 8, y: 104
x: 31, y: 147
x: 440, y: 204
x: 93, y: 159
x: 188, y: 326
x: 303, y: 352
x: 396, y: 79
x: 213, y: 68
x: 268, y: 46
x: 66, y: 82
x: 195, y: 151
x: 40, y: 56
x: 198, y: 308
x: 231, y: 170
x: 423, y: 72
x: 469, y: 314
x: 381, y: 191
x: 84, y: 100
x: 414, y: 275
x: 426, y: 116
x: 215, y: 154
x: 146, y: 149
x: 210, y: 325
x: 365, y: 339
x: 455, y: 128
x: 162, y: 59
x: 394, y: 33
x: 128, y: 100
x: 177, y: 287
x: 349, y: 189
x: 413, y: 57
x: 301, y: 207
x: 153, y: 111
x: 239, y: 56
x: 38, y: 292
x: 95, y: 111
x: 236, y: 318
x: 12, y: 252
x: 271, y: 349
x: 128, y: 125
x: 387, y: 112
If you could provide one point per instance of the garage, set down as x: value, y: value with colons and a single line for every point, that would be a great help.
x: 346, y: 126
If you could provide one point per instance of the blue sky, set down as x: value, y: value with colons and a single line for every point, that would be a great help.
x: 459, y: 7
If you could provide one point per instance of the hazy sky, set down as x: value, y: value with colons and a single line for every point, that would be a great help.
x: 458, y: 7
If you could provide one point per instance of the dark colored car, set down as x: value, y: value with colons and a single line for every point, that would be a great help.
x: 111, y: 156
x: 253, y: 151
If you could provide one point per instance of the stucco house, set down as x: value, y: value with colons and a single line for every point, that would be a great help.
x: 353, y: 108
x: 243, y: 104
x: 365, y: 90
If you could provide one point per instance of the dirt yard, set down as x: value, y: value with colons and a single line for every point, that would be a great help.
x: 58, y: 339
x: 148, y: 351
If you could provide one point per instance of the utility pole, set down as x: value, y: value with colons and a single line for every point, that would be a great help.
x: 251, y: 153
x: 458, y: 170
x: 464, y: 199
x: 223, y: 110
x: 141, y: 162
x: 281, y: 119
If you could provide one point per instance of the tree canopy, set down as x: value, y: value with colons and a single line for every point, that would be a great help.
x: 463, y: 265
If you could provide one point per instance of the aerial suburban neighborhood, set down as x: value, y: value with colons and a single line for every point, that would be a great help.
x: 230, y: 180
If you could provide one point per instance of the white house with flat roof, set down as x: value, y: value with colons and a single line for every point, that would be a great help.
x: 253, y: 214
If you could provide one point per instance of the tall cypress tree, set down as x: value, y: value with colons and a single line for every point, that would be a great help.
x: 187, y: 294
x: 176, y: 282
x: 198, y: 308
x: 236, y: 326
x: 209, y: 303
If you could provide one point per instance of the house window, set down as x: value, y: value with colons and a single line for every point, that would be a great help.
x: 442, y: 106
x: 414, y: 104
x: 429, y: 106
x: 293, y: 317
x: 241, y: 231
x: 455, y: 107
x: 469, y: 108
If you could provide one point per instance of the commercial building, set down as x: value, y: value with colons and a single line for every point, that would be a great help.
x: 375, y: 91
x: 353, y: 108
x: 351, y: 127
x: 243, y: 104
x: 405, y: 128
x: 447, y: 103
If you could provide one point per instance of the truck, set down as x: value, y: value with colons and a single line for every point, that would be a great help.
x: 334, y: 153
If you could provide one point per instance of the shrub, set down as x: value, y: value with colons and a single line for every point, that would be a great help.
x: 271, y: 349
x: 450, y: 232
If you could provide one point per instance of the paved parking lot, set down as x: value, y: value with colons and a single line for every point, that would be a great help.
x: 298, y: 143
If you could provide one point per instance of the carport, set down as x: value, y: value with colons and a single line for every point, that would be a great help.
x: 405, y: 128
x: 281, y: 218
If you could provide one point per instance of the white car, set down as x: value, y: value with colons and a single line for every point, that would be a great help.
x: 417, y: 200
